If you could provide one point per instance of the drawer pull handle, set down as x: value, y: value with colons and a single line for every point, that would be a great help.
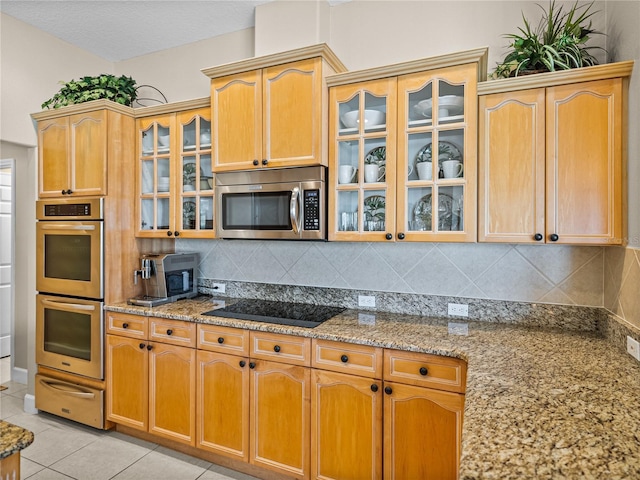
x: 252, y: 365
x: 149, y: 347
x: 388, y: 390
x: 242, y: 363
x: 374, y: 387
x: 554, y: 237
x: 344, y: 359
x: 423, y: 371
x: 169, y: 332
x: 142, y: 345
x: 125, y: 325
x: 276, y: 348
x: 220, y: 340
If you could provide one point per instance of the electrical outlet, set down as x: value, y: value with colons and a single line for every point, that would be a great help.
x: 219, y: 287
x: 366, y: 301
x: 458, y: 309
x: 633, y: 347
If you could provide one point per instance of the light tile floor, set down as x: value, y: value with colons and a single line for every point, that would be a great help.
x: 65, y: 450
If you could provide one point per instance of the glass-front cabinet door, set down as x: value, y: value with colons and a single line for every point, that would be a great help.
x: 155, y: 143
x: 437, y: 155
x: 362, y: 155
x: 194, y: 198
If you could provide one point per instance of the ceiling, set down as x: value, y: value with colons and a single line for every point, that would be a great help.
x: 118, y: 30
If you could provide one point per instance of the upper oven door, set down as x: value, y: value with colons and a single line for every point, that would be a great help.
x: 292, y: 210
x: 69, y: 258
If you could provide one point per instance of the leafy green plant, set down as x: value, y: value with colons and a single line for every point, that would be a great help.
x: 557, y: 43
x: 121, y: 90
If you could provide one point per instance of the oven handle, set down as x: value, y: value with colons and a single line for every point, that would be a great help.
x: 77, y: 306
x: 293, y: 210
x: 67, y: 227
x: 67, y: 391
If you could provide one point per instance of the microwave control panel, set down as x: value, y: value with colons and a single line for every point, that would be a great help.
x: 311, y: 199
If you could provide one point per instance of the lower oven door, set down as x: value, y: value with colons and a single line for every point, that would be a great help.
x: 76, y: 402
x: 69, y: 335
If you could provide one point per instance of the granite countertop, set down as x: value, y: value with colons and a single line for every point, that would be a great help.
x: 13, y: 439
x: 540, y: 402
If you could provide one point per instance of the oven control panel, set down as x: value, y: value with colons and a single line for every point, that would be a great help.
x: 67, y: 209
x: 311, y: 205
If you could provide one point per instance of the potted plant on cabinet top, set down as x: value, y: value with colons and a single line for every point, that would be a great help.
x: 558, y: 43
x: 121, y: 90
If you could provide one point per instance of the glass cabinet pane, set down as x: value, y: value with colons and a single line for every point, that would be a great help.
x: 421, y: 107
x: 349, y: 115
x: 189, y: 173
x: 450, y: 153
x: 188, y: 213
x: 450, y: 103
x: 206, y: 177
x: 419, y: 209
x: 206, y: 213
x: 347, y: 211
x: 163, y: 213
x: 147, y: 141
x: 163, y: 139
x: 375, y: 160
x: 375, y: 112
x: 419, y: 161
x: 348, y: 156
x: 163, y: 170
x: 147, y: 177
x: 147, y: 221
x: 374, y: 210
x: 189, y: 136
x: 205, y: 134
x: 450, y: 208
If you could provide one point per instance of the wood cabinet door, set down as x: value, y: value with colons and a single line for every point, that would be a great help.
x: 88, y: 169
x: 511, y: 167
x: 584, y: 162
x: 127, y: 381
x: 53, y: 157
x: 236, y: 116
x: 279, y: 418
x: 223, y: 404
x: 422, y: 432
x: 172, y: 392
x: 293, y: 113
x: 346, y: 426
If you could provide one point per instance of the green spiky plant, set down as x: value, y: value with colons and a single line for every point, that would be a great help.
x: 558, y: 42
x: 121, y: 90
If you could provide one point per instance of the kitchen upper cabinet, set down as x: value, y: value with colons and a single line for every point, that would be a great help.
x: 390, y: 120
x: 175, y: 184
x: 271, y: 111
x: 551, y: 158
x: 76, y: 144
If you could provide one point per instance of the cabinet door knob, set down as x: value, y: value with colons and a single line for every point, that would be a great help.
x: 176, y: 233
x: 252, y: 365
x: 388, y: 236
x: 220, y: 340
x: 401, y: 236
x: 242, y: 363
x: 169, y: 331
x: 149, y: 347
x: 554, y: 237
x: 374, y: 387
x: 64, y: 192
x: 169, y: 233
x: 125, y: 325
x: 423, y: 371
x: 537, y: 237
x: 344, y: 359
x: 276, y: 348
x: 69, y: 191
x: 388, y: 390
x: 265, y: 161
x: 256, y: 162
x: 142, y: 345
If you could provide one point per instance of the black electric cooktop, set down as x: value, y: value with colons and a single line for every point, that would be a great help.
x: 283, y: 313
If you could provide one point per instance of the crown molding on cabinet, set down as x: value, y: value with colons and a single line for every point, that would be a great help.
x: 320, y: 50
x: 478, y: 55
x: 84, y: 107
x: 174, y: 107
x: 562, y: 77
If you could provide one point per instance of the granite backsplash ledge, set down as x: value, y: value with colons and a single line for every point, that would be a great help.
x: 566, y: 317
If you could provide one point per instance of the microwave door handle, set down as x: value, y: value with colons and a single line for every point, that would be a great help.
x: 294, y: 210
x: 76, y: 306
x: 67, y: 227
x: 67, y: 391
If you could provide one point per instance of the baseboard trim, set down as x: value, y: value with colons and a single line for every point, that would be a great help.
x: 30, y: 404
x: 19, y: 375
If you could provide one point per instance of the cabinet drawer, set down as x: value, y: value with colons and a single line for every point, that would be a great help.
x: 174, y: 332
x: 282, y: 348
x: 424, y: 370
x: 223, y: 339
x: 360, y: 360
x: 125, y: 325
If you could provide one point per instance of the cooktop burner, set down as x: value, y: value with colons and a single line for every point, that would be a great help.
x: 283, y: 313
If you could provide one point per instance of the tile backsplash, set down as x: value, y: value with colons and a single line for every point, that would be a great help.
x: 622, y: 284
x: 553, y: 274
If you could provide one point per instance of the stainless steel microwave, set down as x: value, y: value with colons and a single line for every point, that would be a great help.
x: 285, y: 203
